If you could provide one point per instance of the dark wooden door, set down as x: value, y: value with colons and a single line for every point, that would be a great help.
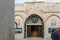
x: 37, y: 30
x: 40, y: 31
x: 28, y: 31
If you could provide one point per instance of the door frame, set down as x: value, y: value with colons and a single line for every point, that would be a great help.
x: 25, y: 25
x: 38, y: 26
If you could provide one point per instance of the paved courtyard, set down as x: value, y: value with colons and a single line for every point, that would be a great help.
x: 33, y: 39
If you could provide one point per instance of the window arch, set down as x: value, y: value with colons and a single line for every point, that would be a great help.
x: 51, y: 16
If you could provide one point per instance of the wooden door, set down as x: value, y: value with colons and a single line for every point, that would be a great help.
x: 40, y: 31
x: 28, y: 31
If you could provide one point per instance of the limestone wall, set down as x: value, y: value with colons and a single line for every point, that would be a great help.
x: 45, y: 10
x: 7, y: 20
x: 20, y: 17
x: 19, y: 7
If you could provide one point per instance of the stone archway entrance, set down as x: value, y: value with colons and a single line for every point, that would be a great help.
x: 34, y: 27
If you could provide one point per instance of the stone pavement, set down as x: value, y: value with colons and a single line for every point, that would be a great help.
x: 33, y: 39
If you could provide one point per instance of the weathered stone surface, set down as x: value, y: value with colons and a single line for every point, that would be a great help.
x: 6, y: 20
x: 46, y: 7
x: 46, y: 11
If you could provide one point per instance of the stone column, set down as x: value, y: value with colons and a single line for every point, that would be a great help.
x: 6, y: 19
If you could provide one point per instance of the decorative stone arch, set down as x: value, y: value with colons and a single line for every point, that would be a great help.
x: 51, y: 16
x: 20, y: 18
x: 27, y: 20
x: 33, y: 14
x: 19, y: 15
x: 51, y: 22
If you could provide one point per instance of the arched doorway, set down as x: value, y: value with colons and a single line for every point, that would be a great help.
x: 52, y: 22
x: 34, y: 26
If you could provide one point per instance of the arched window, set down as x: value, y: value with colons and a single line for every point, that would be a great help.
x: 17, y: 21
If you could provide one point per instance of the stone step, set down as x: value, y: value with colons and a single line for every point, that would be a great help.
x: 33, y: 38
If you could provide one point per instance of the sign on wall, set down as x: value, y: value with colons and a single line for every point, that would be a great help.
x: 50, y: 29
x: 18, y: 30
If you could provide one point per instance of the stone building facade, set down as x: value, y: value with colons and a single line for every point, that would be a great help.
x: 37, y: 17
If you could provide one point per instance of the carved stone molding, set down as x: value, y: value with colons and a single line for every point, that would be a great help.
x: 51, y: 16
x: 52, y: 8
